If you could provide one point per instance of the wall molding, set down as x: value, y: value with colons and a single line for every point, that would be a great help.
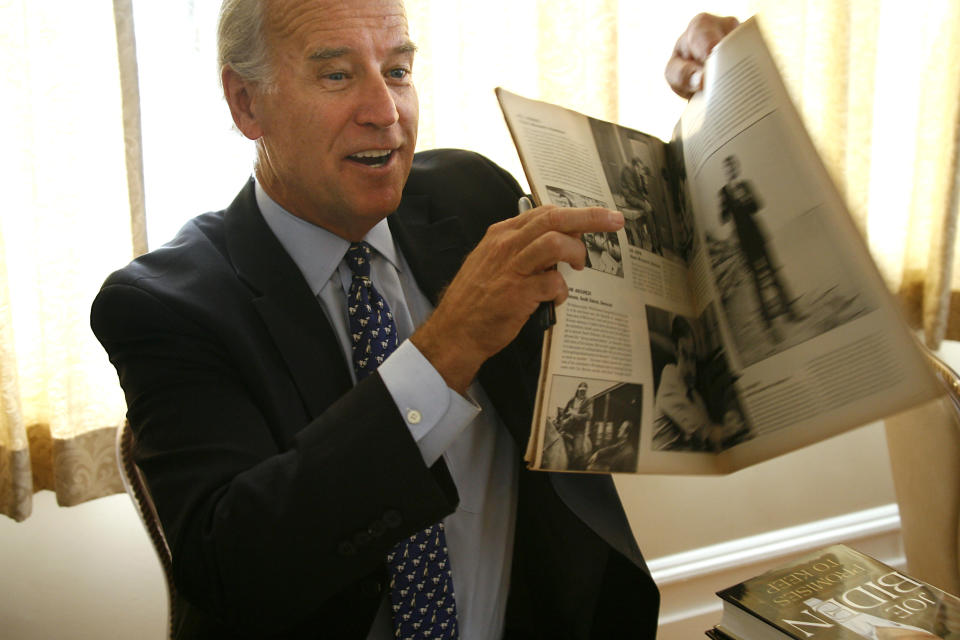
x: 689, y: 580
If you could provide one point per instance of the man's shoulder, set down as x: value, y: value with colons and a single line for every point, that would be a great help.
x: 453, y: 183
x: 196, y: 247
x: 449, y: 171
x: 200, y: 246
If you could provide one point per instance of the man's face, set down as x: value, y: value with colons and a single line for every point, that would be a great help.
x: 338, y: 129
x: 582, y: 390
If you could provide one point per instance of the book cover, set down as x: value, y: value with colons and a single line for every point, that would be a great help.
x: 838, y: 593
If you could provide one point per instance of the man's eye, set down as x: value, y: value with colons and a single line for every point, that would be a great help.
x: 337, y: 75
x: 399, y: 73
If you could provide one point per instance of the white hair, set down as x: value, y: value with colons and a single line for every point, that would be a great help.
x: 241, y: 42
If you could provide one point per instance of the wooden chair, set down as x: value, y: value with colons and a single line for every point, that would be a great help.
x: 924, y: 447
x: 136, y: 487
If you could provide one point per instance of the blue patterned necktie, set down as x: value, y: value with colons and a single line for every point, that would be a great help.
x: 421, y: 586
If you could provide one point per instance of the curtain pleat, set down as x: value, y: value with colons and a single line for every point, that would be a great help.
x: 877, y: 86
x: 66, y: 223
x: 16, y: 482
x: 878, y: 89
x: 132, y: 130
x: 928, y: 261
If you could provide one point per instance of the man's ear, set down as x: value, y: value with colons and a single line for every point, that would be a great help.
x: 240, y: 95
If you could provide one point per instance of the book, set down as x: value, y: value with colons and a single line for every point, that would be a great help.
x: 716, y: 634
x: 837, y: 593
x: 738, y: 314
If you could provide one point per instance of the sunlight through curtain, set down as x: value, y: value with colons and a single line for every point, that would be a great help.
x: 876, y: 83
x: 65, y: 224
x: 879, y: 89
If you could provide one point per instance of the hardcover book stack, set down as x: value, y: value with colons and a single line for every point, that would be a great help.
x: 837, y: 593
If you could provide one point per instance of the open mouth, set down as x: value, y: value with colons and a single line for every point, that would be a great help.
x: 374, y: 158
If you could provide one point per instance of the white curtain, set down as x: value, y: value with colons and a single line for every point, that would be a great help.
x: 64, y: 224
x: 876, y: 81
x: 879, y: 88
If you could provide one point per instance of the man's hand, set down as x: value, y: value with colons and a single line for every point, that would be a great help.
x: 684, y: 71
x: 502, y: 282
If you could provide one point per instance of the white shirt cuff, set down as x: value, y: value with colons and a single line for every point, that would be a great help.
x: 434, y: 413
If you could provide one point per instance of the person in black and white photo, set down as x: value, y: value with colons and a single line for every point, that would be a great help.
x: 603, y: 249
x: 679, y: 195
x: 572, y: 423
x: 682, y: 418
x: 603, y: 252
x: 641, y: 232
x: 592, y: 425
x: 740, y: 203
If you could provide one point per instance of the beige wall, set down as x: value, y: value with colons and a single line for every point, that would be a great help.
x: 83, y: 573
x: 847, y: 473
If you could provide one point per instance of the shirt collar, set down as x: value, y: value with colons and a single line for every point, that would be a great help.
x: 316, y: 251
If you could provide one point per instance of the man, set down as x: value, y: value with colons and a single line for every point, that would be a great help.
x: 682, y: 419
x: 603, y: 253
x: 573, y: 423
x: 633, y: 186
x: 286, y: 468
x: 739, y: 202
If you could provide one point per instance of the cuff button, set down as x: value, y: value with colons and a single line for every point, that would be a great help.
x: 414, y: 416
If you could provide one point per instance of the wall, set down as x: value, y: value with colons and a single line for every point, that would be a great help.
x: 847, y: 473
x: 83, y: 573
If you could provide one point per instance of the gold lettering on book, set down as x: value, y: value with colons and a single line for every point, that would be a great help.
x: 812, y: 621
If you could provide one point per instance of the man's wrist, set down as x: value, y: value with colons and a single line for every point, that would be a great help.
x: 451, y: 358
x: 434, y: 413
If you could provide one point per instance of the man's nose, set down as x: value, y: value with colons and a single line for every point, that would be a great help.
x: 378, y: 105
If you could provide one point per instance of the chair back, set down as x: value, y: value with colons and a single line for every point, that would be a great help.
x: 136, y: 487
x: 924, y: 447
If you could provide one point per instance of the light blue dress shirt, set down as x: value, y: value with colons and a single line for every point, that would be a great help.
x: 472, y: 439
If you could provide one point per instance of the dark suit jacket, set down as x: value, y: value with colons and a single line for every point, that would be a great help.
x: 281, y: 486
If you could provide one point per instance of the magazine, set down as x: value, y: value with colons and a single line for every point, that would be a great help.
x: 737, y: 315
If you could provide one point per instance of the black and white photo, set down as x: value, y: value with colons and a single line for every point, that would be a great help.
x: 635, y: 168
x: 758, y: 230
x: 592, y: 425
x: 603, y: 249
x: 696, y: 406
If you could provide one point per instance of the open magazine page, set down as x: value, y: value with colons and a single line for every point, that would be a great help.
x: 595, y: 411
x: 812, y: 337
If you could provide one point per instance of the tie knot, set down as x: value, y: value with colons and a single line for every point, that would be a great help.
x: 358, y: 258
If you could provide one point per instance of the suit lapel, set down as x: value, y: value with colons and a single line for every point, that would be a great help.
x: 289, y: 309
x: 435, y: 247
